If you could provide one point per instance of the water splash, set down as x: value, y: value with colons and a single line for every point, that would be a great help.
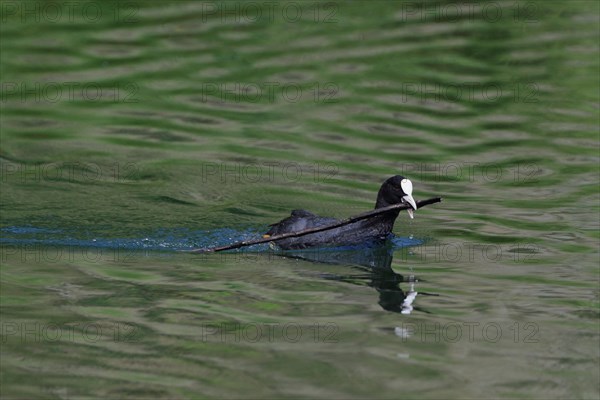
x: 157, y: 240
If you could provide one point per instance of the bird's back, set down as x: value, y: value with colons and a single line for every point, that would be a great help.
x: 299, y: 220
x: 350, y: 234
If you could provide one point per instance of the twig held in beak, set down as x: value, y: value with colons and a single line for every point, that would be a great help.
x: 365, y: 215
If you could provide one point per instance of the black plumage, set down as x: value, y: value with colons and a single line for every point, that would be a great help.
x: 396, y: 189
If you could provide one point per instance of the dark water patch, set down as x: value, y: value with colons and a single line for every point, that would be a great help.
x: 159, y: 240
x: 168, y: 199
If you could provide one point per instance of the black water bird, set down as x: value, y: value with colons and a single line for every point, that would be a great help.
x: 394, y: 190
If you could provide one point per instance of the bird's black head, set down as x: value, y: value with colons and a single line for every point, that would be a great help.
x: 396, y: 189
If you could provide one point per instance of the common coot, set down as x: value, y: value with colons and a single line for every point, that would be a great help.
x: 396, y: 189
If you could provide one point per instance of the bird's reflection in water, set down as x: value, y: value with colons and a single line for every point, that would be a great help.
x: 374, y: 260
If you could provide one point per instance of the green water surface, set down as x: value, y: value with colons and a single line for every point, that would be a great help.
x: 166, y: 122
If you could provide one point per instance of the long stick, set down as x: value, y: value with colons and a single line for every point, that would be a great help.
x: 365, y: 215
